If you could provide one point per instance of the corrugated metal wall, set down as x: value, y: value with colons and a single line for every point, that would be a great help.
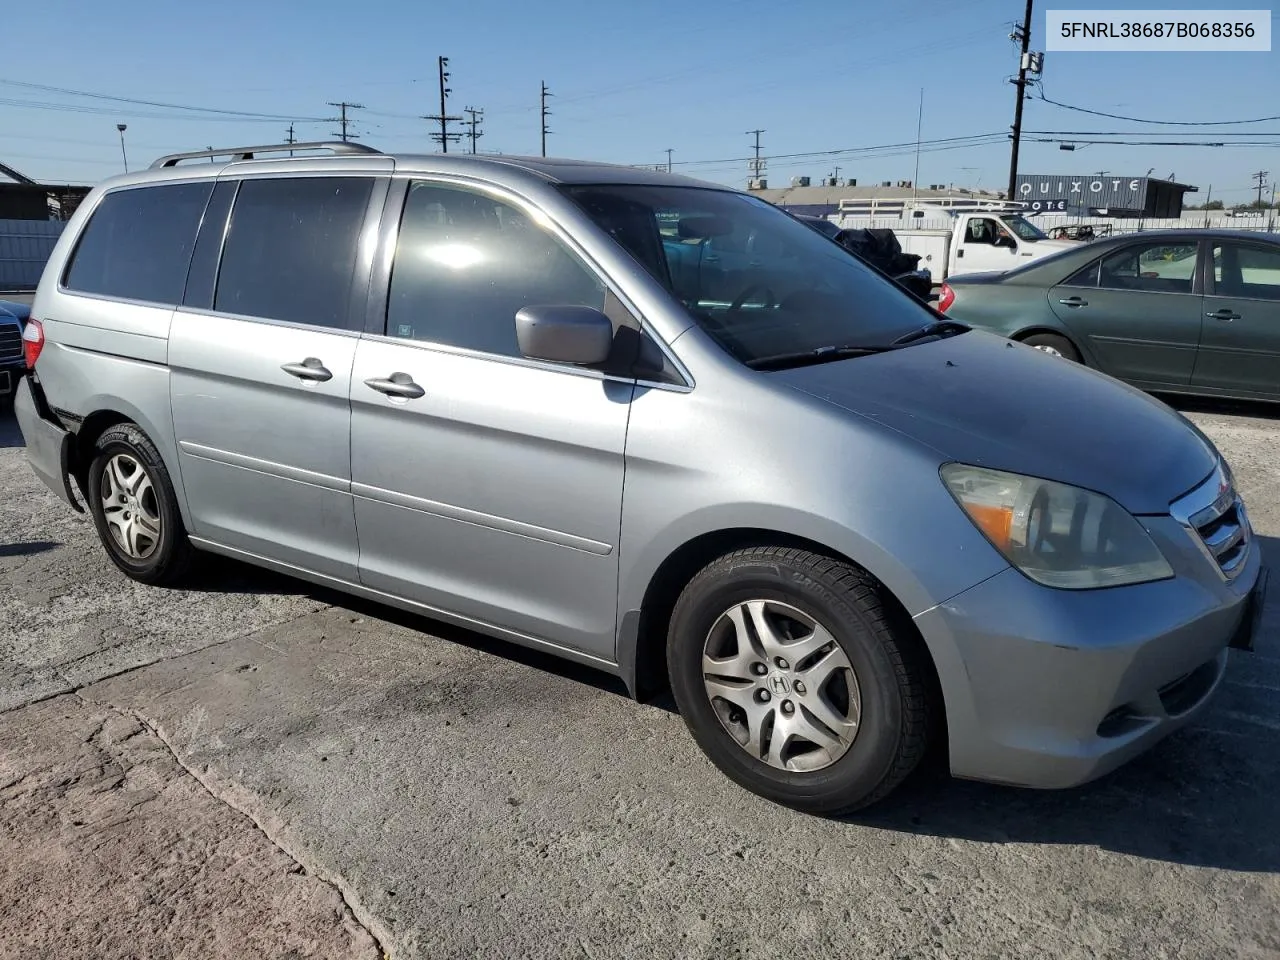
x: 25, y: 246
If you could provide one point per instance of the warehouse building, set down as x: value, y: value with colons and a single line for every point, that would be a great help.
x: 823, y: 199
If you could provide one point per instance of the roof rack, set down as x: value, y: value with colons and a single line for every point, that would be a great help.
x: 248, y: 153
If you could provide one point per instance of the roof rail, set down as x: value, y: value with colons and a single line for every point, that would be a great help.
x: 248, y: 153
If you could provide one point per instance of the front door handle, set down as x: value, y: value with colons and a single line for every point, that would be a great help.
x: 308, y: 369
x: 1223, y: 314
x: 396, y: 385
x: 1074, y: 302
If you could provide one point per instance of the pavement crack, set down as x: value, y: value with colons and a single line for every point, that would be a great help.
x: 358, y: 913
x: 73, y: 689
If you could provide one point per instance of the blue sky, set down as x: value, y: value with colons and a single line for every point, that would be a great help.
x: 629, y: 81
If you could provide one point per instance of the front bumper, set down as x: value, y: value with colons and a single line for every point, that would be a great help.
x: 1052, y: 688
x: 49, y: 446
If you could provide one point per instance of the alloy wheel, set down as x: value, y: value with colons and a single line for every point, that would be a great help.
x: 130, y: 507
x: 782, y: 686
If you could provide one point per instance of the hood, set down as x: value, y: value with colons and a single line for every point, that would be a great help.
x: 1053, y: 246
x: 984, y: 400
x: 14, y: 311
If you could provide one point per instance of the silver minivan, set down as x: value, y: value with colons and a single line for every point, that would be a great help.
x: 652, y: 425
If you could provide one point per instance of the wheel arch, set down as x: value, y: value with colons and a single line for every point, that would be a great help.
x: 1020, y: 335
x: 109, y: 412
x: 642, y: 636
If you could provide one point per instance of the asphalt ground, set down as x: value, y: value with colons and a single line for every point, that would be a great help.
x: 255, y: 767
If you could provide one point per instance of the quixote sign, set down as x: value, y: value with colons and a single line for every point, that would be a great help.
x: 1063, y: 192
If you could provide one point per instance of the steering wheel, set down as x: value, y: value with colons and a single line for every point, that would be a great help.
x: 745, y: 295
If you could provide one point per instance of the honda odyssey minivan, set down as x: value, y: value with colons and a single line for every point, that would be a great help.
x: 652, y: 425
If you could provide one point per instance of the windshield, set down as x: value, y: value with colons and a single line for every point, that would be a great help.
x: 757, y: 280
x: 1025, y: 229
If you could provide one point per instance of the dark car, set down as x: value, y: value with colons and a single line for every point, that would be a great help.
x: 1177, y: 311
x: 879, y: 248
x: 13, y: 317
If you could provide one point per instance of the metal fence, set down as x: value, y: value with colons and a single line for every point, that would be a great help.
x: 1048, y: 222
x: 25, y: 247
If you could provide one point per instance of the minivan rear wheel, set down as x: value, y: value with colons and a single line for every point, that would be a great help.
x: 790, y: 675
x: 135, y: 508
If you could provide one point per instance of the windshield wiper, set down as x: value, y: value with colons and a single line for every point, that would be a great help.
x: 800, y: 358
x: 937, y: 328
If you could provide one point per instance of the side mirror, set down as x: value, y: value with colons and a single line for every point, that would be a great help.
x: 564, y: 334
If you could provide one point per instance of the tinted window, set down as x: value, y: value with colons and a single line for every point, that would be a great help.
x: 1245, y: 271
x: 290, y: 252
x: 466, y: 263
x: 1156, y: 267
x: 753, y: 278
x: 138, y: 243
x: 1088, y: 277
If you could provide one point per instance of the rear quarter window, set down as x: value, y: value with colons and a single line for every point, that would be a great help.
x: 137, y: 244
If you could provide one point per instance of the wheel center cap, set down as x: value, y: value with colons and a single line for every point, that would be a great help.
x: 779, y: 684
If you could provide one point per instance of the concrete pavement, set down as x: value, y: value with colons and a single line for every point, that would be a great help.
x: 447, y: 795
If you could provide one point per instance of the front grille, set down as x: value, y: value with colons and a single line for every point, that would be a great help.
x: 1215, y: 516
x: 10, y: 344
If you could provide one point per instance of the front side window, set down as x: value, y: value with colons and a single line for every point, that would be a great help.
x: 138, y: 243
x: 755, y: 279
x: 1249, y: 272
x: 466, y: 263
x: 1025, y: 229
x: 290, y: 251
x: 1155, y: 267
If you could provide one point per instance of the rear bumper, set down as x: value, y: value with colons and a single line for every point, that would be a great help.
x: 1053, y: 688
x: 49, y: 446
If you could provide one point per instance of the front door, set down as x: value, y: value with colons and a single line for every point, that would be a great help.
x: 1240, y: 347
x: 261, y: 367
x: 986, y: 245
x: 1137, y: 310
x: 487, y: 485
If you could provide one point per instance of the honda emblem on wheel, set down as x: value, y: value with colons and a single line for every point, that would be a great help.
x: 779, y: 684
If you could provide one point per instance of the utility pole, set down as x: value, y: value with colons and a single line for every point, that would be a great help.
x: 1023, y: 34
x: 669, y: 152
x: 473, y: 122
x: 755, y: 167
x: 443, y: 118
x: 1261, y: 177
x: 545, y: 113
x: 121, y: 128
x: 290, y: 139
x: 344, y: 106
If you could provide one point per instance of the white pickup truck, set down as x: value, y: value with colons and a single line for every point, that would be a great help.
x: 958, y: 240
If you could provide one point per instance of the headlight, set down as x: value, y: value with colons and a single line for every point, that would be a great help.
x: 1057, y: 534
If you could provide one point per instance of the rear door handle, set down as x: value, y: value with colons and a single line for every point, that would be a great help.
x: 1223, y: 315
x: 309, y: 369
x: 396, y: 385
x: 1074, y: 302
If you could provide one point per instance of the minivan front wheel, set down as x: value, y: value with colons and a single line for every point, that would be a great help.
x: 792, y: 679
x: 135, y: 509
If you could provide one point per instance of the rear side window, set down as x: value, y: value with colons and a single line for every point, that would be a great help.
x: 138, y: 243
x: 290, y: 251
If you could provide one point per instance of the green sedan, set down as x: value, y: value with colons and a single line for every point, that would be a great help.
x: 1171, y: 311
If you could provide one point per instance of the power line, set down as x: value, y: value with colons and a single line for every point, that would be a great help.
x: 342, y: 119
x: 67, y: 91
x: 1167, y: 123
x: 985, y: 138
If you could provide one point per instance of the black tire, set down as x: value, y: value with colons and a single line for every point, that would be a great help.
x: 1052, y: 341
x: 169, y: 557
x: 896, y: 706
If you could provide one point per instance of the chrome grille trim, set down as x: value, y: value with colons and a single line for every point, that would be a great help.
x: 1214, y: 516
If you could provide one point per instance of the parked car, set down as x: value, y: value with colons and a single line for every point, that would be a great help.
x: 12, y: 361
x: 1174, y: 311
x: 881, y: 249
x: 849, y: 528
